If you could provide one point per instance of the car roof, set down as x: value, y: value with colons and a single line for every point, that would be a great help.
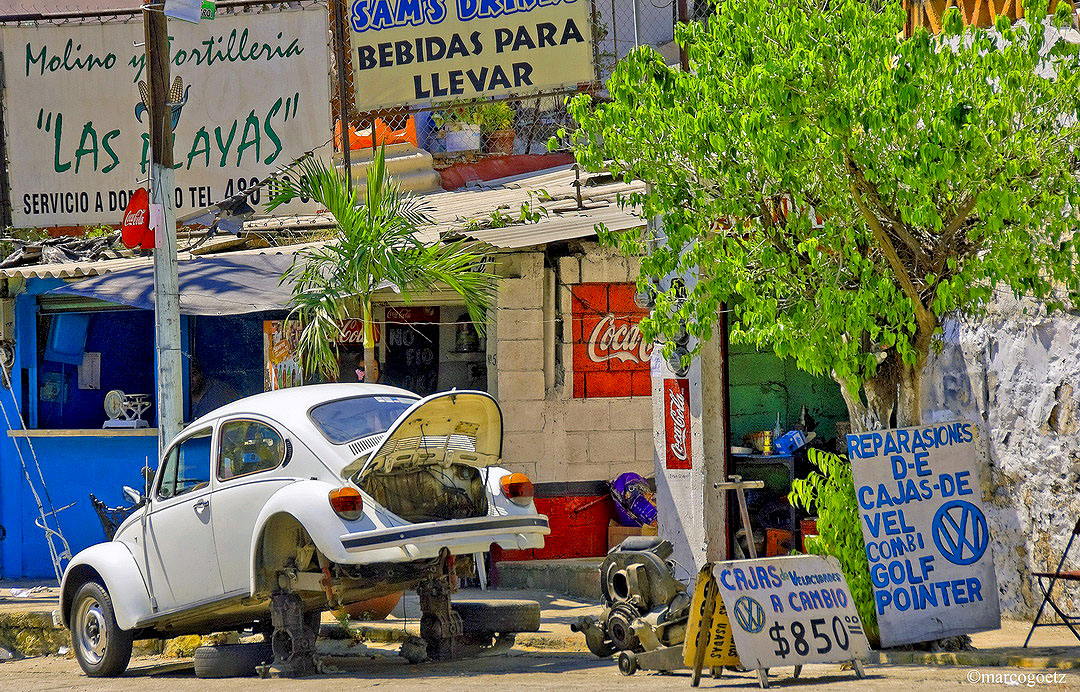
x: 292, y: 404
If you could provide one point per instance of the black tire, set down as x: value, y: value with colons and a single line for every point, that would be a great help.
x: 101, y: 647
x: 231, y: 660
x: 502, y: 616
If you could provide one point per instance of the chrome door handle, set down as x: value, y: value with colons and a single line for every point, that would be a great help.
x: 201, y: 505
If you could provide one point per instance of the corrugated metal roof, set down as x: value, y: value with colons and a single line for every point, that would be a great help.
x: 551, y: 229
x: 553, y: 189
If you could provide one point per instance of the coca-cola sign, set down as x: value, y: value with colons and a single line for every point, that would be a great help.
x: 135, y: 228
x: 677, y: 439
x: 610, y: 356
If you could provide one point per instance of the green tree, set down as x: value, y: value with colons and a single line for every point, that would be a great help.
x: 375, y: 245
x: 843, y: 189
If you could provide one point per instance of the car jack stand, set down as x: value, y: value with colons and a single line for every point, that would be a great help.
x: 293, y: 642
x: 440, y: 626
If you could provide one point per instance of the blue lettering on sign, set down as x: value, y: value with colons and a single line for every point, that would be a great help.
x: 873, y: 444
x: 960, y: 532
x: 367, y: 15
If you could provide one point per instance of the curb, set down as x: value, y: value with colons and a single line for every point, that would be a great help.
x: 980, y: 659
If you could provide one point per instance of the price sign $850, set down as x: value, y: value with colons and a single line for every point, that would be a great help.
x: 818, y: 635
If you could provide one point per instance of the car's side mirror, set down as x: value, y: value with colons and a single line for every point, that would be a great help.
x: 132, y: 495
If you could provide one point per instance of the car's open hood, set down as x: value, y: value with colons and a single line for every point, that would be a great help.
x: 463, y: 427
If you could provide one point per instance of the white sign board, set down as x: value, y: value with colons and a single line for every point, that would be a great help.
x: 251, y: 94
x: 926, y: 534
x: 790, y: 611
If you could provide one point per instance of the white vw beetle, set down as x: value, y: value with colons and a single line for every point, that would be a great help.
x: 273, y: 508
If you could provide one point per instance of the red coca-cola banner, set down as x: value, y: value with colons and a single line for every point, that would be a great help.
x: 610, y: 356
x: 135, y: 228
x: 677, y: 424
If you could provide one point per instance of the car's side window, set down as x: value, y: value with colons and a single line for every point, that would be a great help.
x: 248, y: 446
x: 187, y: 466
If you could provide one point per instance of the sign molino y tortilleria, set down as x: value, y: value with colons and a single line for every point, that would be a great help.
x: 250, y: 93
x: 426, y: 51
x: 926, y: 532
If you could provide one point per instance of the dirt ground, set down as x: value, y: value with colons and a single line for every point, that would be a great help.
x: 518, y: 671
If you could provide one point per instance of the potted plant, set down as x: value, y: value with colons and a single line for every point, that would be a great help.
x: 497, y: 122
x: 459, y: 127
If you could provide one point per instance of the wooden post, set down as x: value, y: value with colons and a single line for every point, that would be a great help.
x: 170, y: 398
x: 344, y: 98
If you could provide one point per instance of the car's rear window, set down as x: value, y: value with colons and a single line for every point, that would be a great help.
x: 350, y: 419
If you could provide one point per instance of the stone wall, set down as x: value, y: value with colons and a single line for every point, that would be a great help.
x: 1016, y: 372
x: 551, y: 436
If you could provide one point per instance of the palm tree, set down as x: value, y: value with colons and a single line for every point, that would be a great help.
x: 375, y: 246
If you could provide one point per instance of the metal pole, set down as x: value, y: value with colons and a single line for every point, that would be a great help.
x: 637, y: 25
x: 344, y: 99
x: 170, y: 399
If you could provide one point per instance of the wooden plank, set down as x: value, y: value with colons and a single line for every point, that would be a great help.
x: 86, y: 432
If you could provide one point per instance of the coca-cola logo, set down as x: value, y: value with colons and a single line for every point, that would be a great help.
x: 135, y: 217
x: 677, y: 424
x: 622, y: 340
x: 677, y: 413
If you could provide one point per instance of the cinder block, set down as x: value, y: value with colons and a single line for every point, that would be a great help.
x: 521, y: 355
x: 587, y: 414
x: 522, y: 416
x: 519, y: 324
x: 631, y: 414
x: 523, y: 447
x: 588, y: 472
x: 612, y: 445
x: 577, y: 447
x: 520, y: 385
x: 570, y: 270
x: 521, y: 293
x: 644, y: 445
x: 595, y: 268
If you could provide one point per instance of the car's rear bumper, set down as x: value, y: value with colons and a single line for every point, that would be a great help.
x: 462, y: 536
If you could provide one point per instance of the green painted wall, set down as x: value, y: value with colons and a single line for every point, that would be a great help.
x: 762, y: 385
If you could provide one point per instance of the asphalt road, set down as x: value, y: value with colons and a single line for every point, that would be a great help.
x: 518, y: 671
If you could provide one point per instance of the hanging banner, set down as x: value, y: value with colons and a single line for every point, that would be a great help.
x: 427, y: 51
x: 791, y: 611
x: 249, y: 93
x: 926, y: 534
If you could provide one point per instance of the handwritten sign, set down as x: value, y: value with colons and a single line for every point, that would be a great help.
x: 251, y: 93
x: 926, y: 534
x: 425, y: 51
x: 791, y: 611
x: 717, y: 639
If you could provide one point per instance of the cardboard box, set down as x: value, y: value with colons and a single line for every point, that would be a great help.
x: 617, y: 533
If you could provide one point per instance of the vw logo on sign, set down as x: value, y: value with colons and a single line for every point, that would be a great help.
x: 749, y: 614
x: 960, y: 532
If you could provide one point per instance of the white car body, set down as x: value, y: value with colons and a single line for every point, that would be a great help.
x: 204, y: 558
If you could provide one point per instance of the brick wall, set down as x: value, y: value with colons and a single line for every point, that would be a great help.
x: 550, y: 435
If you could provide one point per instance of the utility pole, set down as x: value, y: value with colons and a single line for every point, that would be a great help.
x: 344, y: 98
x: 166, y: 281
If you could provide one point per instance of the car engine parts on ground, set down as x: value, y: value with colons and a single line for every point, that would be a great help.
x: 645, y: 608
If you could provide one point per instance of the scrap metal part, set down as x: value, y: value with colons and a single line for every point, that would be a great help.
x: 293, y: 640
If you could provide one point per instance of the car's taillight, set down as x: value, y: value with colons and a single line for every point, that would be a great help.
x: 518, y: 488
x: 347, y: 502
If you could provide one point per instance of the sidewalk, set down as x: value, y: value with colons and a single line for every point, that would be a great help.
x: 26, y: 626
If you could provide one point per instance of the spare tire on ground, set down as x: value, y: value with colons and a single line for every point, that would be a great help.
x: 231, y: 660
x: 502, y: 616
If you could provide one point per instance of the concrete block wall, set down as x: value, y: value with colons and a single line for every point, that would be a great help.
x: 549, y: 435
x: 1016, y: 373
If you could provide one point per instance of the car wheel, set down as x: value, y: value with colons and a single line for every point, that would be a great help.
x: 102, y: 648
x: 231, y: 660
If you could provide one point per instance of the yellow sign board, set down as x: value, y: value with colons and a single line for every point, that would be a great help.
x: 408, y: 52
x: 716, y: 636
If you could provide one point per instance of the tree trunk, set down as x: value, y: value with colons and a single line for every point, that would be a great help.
x: 371, y: 365
x: 895, y: 387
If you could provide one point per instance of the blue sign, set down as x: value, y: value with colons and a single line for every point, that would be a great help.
x: 926, y: 535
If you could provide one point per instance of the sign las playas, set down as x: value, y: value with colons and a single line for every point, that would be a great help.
x: 243, y: 102
x: 926, y: 534
x: 410, y: 51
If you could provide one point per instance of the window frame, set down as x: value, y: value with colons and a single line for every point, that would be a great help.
x: 175, y: 447
x: 218, y: 464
